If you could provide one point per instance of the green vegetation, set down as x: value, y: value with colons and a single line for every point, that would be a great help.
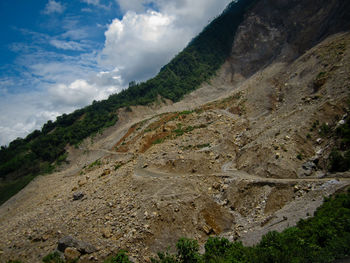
x: 325, y: 129
x: 339, y: 159
x: 53, y: 258
x: 323, y: 238
x: 10, y: 188
x: 200, y: 146
x: 95, y: 163
x: 300, y: 156
x: 121, y: 257
x: 197, y: 63
x: 158, y: 141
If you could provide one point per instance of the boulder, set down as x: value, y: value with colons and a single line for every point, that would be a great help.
x: 78, y: 196
x: 71, y: 254
x: 81, y: 246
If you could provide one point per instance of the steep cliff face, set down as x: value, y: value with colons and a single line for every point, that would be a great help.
x: 282, y: 30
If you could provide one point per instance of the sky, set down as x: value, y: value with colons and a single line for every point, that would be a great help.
x: 58, y: 55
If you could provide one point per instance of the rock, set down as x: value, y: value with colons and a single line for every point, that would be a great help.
x: 277, y: 156
x: 106, y: 172
x: 319, y: 140
x: 71, y: 254
x: 319, y: 152
x: 106, y: 233
x: 216, y: 186
x: 296, y: 188
x: 341, y: 122
x: 78, y: 196
x: 320, y: 174
x: 309, y: 166
x: 207, y: 229
x: 82, y: 182
x: 87, y: 259
x: 81, y: 246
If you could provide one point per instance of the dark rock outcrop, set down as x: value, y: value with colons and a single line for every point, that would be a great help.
x: 283, y: 30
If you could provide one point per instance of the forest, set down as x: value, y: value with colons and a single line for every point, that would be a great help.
x: 42, y: 150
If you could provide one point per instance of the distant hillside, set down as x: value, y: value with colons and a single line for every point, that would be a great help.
x: 42, y: 150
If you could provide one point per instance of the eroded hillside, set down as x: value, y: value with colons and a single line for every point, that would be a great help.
x: 252, y: 161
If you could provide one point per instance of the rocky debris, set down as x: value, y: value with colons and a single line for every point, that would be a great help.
x: 71, y: 254
x: 106, y: 233
x: 106, y: 172
x: 82, y: 182
x: 309, y: 166
x: 70, y: 242
x: 251, y: 191
x: 78, y: 195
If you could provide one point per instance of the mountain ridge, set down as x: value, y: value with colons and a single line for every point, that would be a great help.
x: 247, y: 153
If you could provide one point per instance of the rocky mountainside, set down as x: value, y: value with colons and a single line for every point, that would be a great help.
x: 247, y: 153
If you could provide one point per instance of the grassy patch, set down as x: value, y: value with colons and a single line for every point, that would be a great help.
x: 95, y: 163
x: 322, y: 238
x: 8, y: 189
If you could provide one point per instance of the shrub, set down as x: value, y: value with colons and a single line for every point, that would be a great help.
x: 53, y: 258
x: 121, y: 257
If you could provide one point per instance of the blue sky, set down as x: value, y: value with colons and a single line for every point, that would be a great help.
x: 57, y: 56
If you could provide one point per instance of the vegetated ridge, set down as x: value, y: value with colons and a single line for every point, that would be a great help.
x: 42, y: 150
x: 253, y: 150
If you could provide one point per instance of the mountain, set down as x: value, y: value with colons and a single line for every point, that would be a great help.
x: 242, y: 133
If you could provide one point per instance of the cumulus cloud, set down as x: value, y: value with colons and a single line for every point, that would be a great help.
x: 136, y: 46
x: 139, y: 44
x: 53, y: 7
x: 144, y: 40
x: 37, y: 107
x: 18, y: 121
x: 79, y: 93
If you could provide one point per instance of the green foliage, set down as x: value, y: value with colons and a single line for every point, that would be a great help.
x: 121, y: 257
x: 9, y: 188
x: 323, y: 238
x: 339, y: 159
x: 187, y: 251
x: 200, y: 146
x: 197, y: 63
x: 339, y: 162
x: 299, y: 156
x: 95, y: 163
x: 325, y: 129
x: 158, y: 141
x: 53, y: 258
x: 117, y: 166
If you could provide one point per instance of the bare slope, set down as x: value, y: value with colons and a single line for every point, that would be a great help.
x: 231, y: 167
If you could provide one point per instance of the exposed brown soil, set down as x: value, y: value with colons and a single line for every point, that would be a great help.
x: 230, y: 166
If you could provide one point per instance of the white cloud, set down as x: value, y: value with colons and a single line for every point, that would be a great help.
x: 53, y: 7
x: 96, y: 3
x: 79, y: 93
x: 139, y: 44
x: 135, y: 48
x: 143, y: 41
x: 67, y: 45
x: 22, y: 113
